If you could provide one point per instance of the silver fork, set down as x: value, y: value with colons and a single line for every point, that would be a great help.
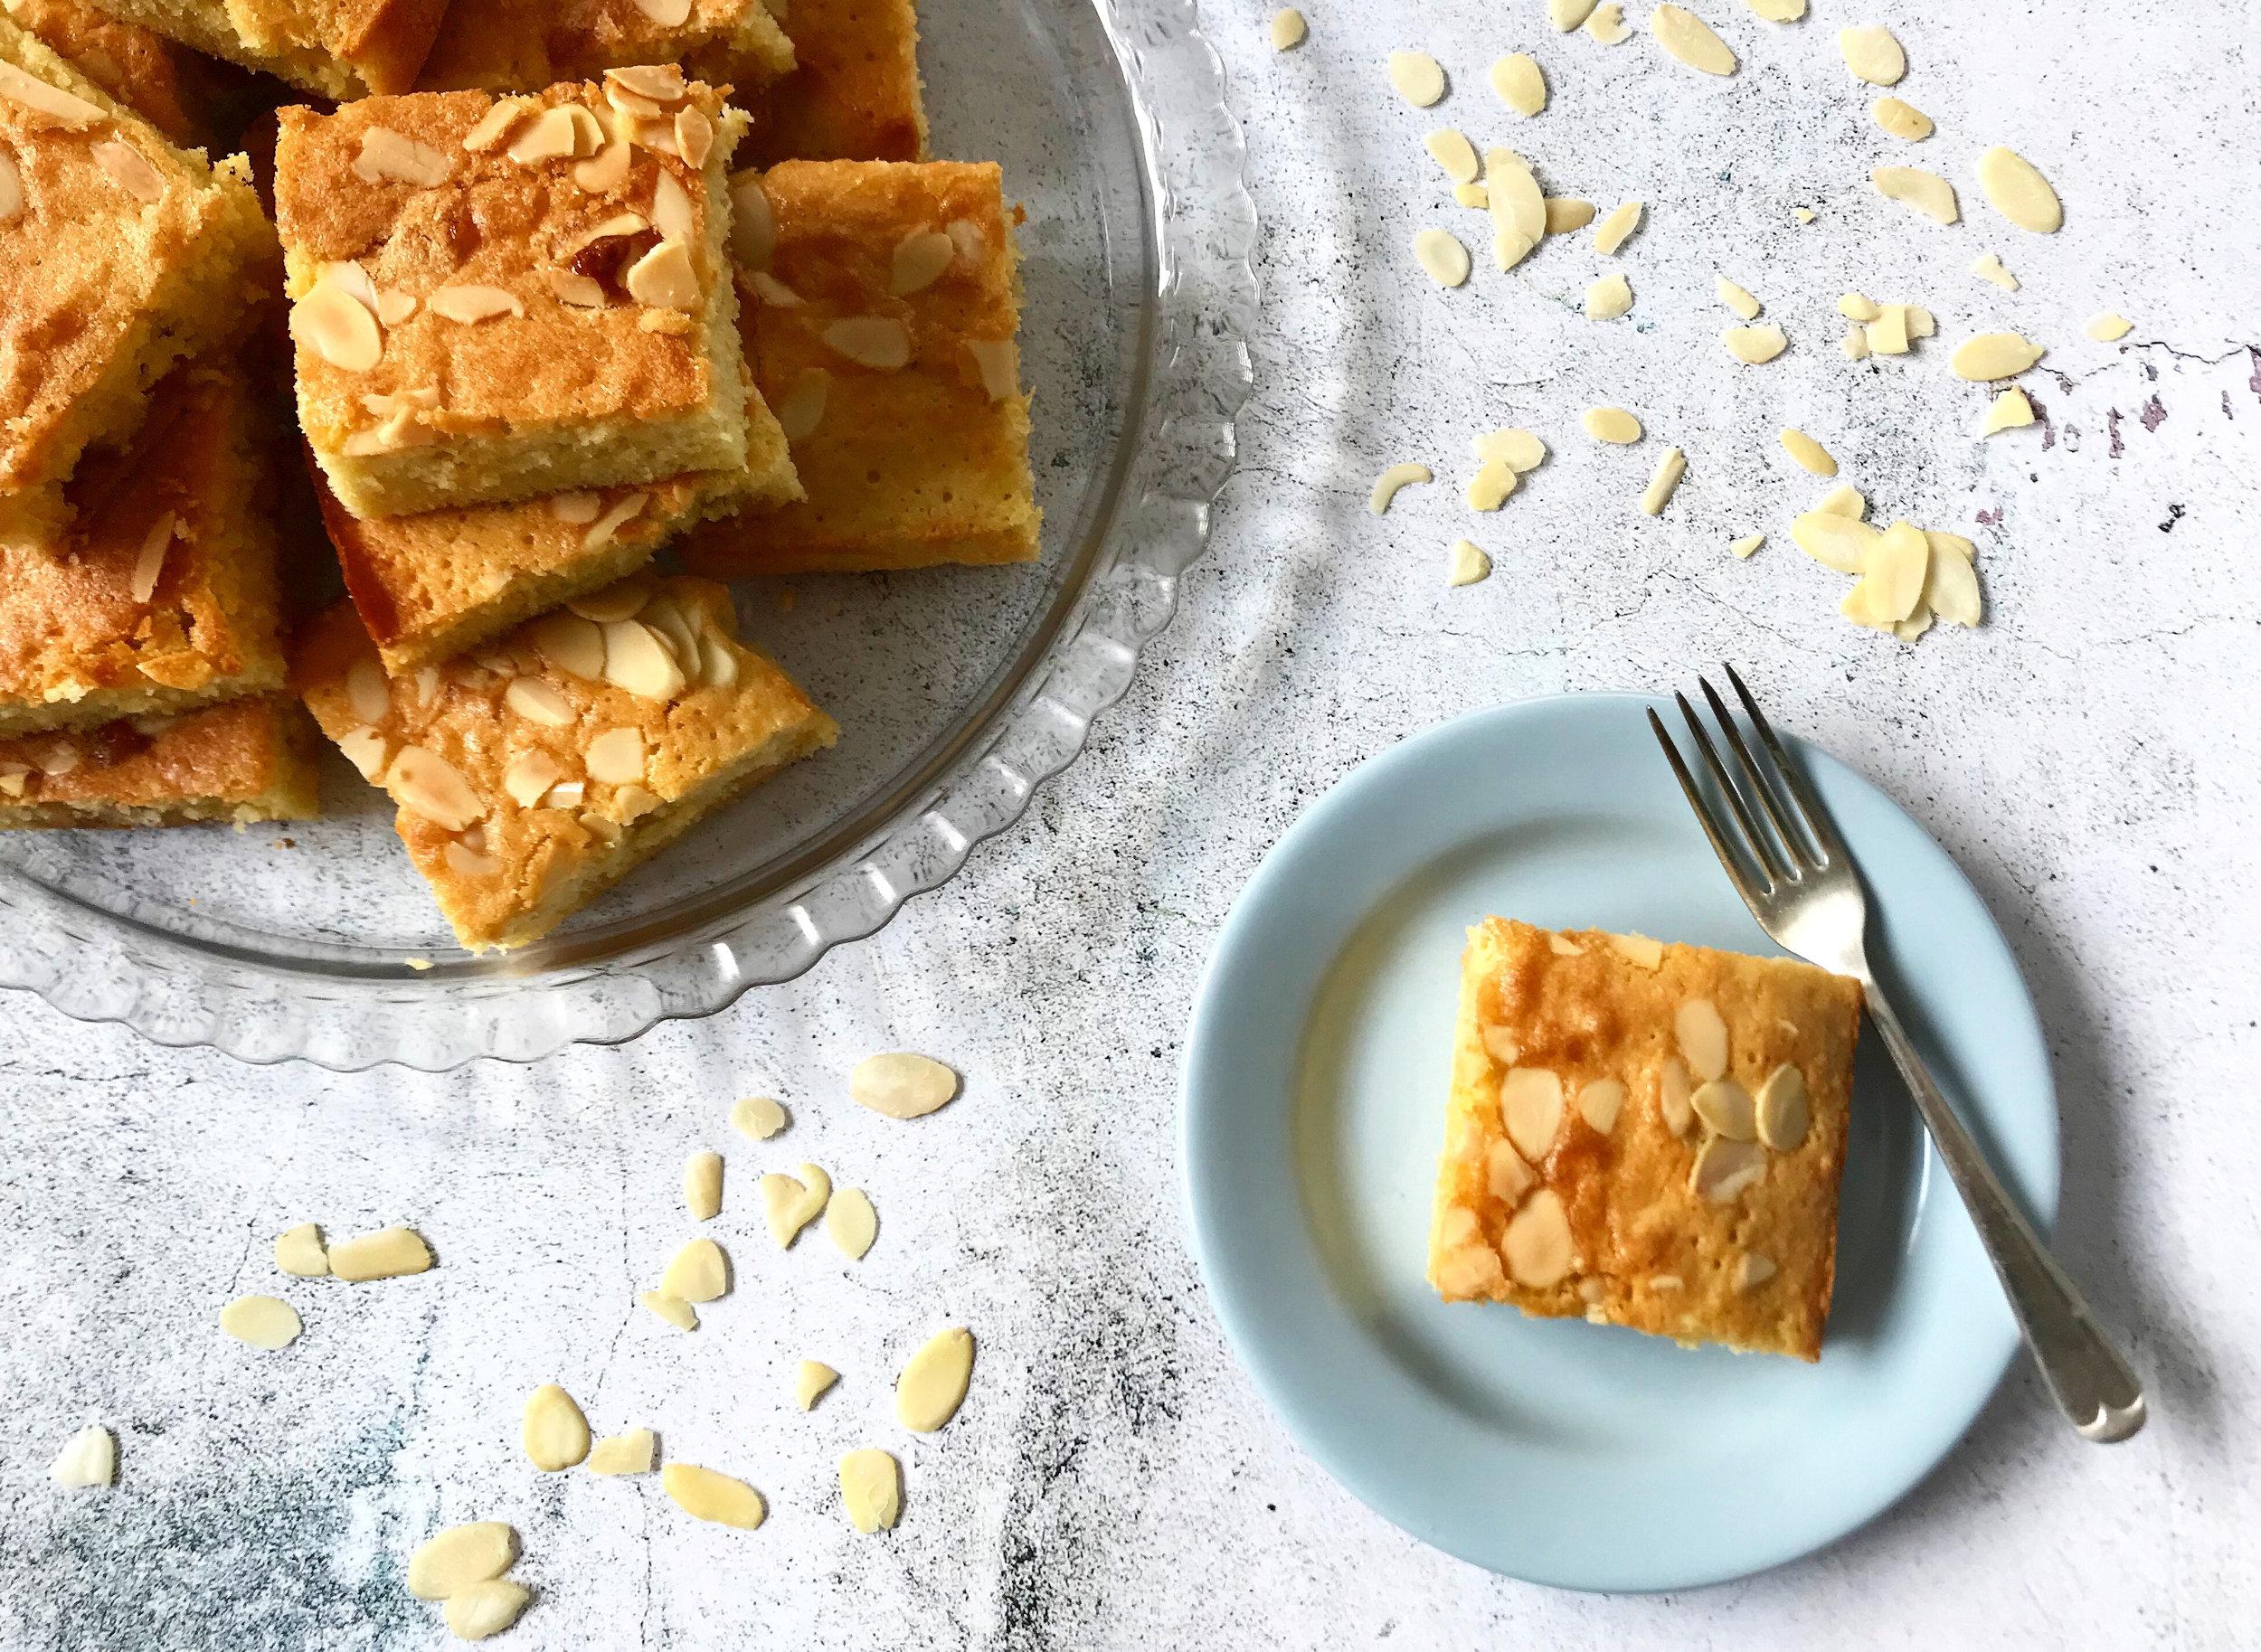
x: 1805, y: 891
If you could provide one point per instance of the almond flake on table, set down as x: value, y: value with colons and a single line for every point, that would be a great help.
x: 1568, y: 14
x: 1565, y: 214
x: 1385, y: 486
x: 1778, y: 11
x: 757, y: 1117
x: 1669, y: 469
x: 1465, y: 563
x: 1753, y: 347
x: 1809, y: 453
x: 1521, y: 84
x: 901, y: 1085
x: 1994, y: 355
x: 89, y: 1458
x: 1417, y: 76
x: 2109, y: 328
x: 1926, y: 191
x: 811, y: 1378
x: 1611, y: 424
x: 1491, y: 486
x: 261, y: 1322
x: 1609, y: 297
x: 1689, y: 39
x: 1471, y: 195
x: 632, y: 1452
x: 1901, y: 119
x: 1872, y: 53
x: 1440, y: 253
x: 1519, y: 211
x: 2016, y: 189
x: 1518, y: 449
x: 1989, y: 268
x: 1288, y: 29
x: 2010, y: 411
x: 1607, y: 25
x: 1452, y: 150
x: 1742, y: 548
x: 1617, y: 228
x: 1736, y: 297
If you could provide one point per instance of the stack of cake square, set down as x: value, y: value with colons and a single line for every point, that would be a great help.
x: 539, y: 330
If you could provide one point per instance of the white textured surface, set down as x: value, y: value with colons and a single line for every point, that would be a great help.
x: 2091, y: 758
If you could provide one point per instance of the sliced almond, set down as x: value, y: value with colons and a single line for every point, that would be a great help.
x: 298, y: 1252
x: 12, y: 189
x: 1778, y: 11
x: 1607, y: 25
x: 1518, y: 449
x: 694, y: 137
x: 1809, y: 453
x: 1466, y: 564
x: 1951, y: 587
x: 1725, y: 1108
x: 801, y: 410
x: 718, y: 666
x: 130, y: 170
x: 472, y: 302
x: 1616, y: 230
x: 1638, y: 951
x: 698, y: 1272
x: 387, y: 1254
x: 772, y: 291
x: 1751, y: 1270
x: 1440, y: 254
x: 789, y: 1204
x: 757, y: 1117
x: 606, y: 170
x: 623, y: 600
x: 1611, y: 424
x: 426, y: 784
x: 664, y: 279
x: 616, y: 756
x: 1489, y: 487
x: 2109, y: 328
x: 460, y: 1556
x: 1565, y: 214
x: 338, y: 327
x: 1520, y: 85
x: 2010, y: 411
x: 1568, y: 14
x: 365, y: 749
x: 528, y: 777
x: 1901, y: 119
x: 675, y: 1310
x: 1670, y: 468
x: 1689, y: 39
x: 1783, y: 1110
x: 537, y: 701
x: 1755, y: 345
x: 1724, y: 1169
x: 918, y: 260
x: 1537, y: 1245
x: 1519, y: 211
x: 871, y: 1490
x: 385, y: 155
x: 901, y: 1085
x: 850, y: 1223
x: 36, y: 94
x: 263, y: 1322
x: 1855, y: 345
x: 880, y: 343
x: 753, y: 227
x: 1989, y: 268
x: 1872, y: 53
x: 1701, y: 1033
x: 1506, y: 1176
x: 1736, y: 297
x: 634, y: 660
x: 934, y: 1380
x: 632, y: 1452
x: 1530, y: 1107
x: 495, y: 125
x: 2016, y: 189
x: 1609, y: 297
x: 811, y: 1377
x: 1288, y: 29
x: 667, y: 14
x: 1455, y: 154
x: 90, y: 1456
x: 703, y: 1185
x: 1887, y: 333
x: 1834, y: 539
x: 1416, y: 77
x: 1926, y: 191
x: 1994, y: 355
x: 1896, y: 570
x: 1385, y: 486
x: 1747, y: 546
x: 1857, y: 307
x: 1676, y: 1095
x: 467, y: 862
x: 663, y: 83
x: 1600, y: 1102
x: 553, y: 137
x: 701, y: 1493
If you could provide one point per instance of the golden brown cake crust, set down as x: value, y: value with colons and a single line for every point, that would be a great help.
x: 104, y: 289
x: 854, y: 95
x: 523, y: 45
x: 138, y: 67
x: 162, y: 593
x: 1646, y: 1248
x: 340, y: 48
x: 903, y: 468
x: 570, y: 379
x: 248, y: 759
x: 525, y: 787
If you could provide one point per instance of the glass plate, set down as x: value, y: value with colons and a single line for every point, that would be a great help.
x: 959, y: 691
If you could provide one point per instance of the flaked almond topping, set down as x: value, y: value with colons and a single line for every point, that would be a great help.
x: 528, y: 777
x: 753, y: 227
x: 1455, y: 154
x: 1994, y: 355
x: 365, y: 748
x: 1725, y: 1108
x: 1600, y: 1102
x: 263, y: 1322
x: 701, y: 1493
x: 426, y: 784
x: 619, y: 226
x: 934, y: 1381
x: 567, y: 794
x: 467, y: 862
x: 698, y: 1272
x: 577, y: 508
x: 918, y: 260
x: 1901, y: 119
x: 1751, y: 1270
x: 149, y: 561
x: 663, y: 83
x: 1506, y: 1174
x: 34, y: 94
x: 368, y: 692
x: 718, y: 666
x: 606, y: 170
x: 1724, y: 1167
x: 1288, y: 29
x: 536, y: 702
x: 570, y: 643
x: 473, y: 301
x: 673, y: 631
x: 635, y: 660
x: 616, y: 756
x: 695, y: 136
x: 667, y: 14
x: 1676, y: 1095
x: 393, y: 306
x: 1530, y: 1105
x: 1926, y: 191
x: 671, y: 213
x: 1611, y: 424
x: 1663, y: 483
x: 1416, y: 77
x: 1609, y: 297
x: 10, y: 191
x: 665, y: 278
x: 1783, y: 1110
x: 389, y: 1253
x: 1809, y: 453
x: 553, y: 137
x: 460, y: 1556
x: 871, y: 1490
x: 657, y: 135
x: 1520, y: 84
x: 602, y: 531
x: 1702, y: 1035
x: 901, y: 1085
x: 126, y: 167
x: 1736, y: 297
x: 667, y: 1306
x: 387, y: 154
x: 1466, y: 1266
x: 772, y: 291
x: 1537, y: 1244
x: 495, y: 125
x: 1755, y: 345
x: 633, y: 104
x: 634, y: 802
x: 336, y: 327
x: 580, y: 291
x: 880, y: 343
x: 1689, y: 39
x: 851, y: 1223
x: 589, y: 133
x: 1872, y: 53
x: 624, y: 600
x: 551, y: 1430
x: 1607, y: 25
x: 703, y: 1185
x: 994, y: 363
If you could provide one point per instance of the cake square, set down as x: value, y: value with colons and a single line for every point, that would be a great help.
x: 123, y: 255
x: 533, y: 774
x: 854, y: 94
x: 429, y: 586
x: 342, y: 49
x: 162, y: 593
x: 499, y: 299
x: 248, y: 759
x: 1645, y: 1135
x: 160, y: 81
x: 523, y: 45
x: 881, y: 313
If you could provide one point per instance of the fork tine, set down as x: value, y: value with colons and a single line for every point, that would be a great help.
x: 1728, y: 859
x: 1793, y: 847
x: 1818, y: 825
x: 1761, y: 849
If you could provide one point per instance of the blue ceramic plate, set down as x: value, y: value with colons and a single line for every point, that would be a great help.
x: 1564, y: 1453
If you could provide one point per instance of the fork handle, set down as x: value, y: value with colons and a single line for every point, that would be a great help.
x: 2092, y: 1383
